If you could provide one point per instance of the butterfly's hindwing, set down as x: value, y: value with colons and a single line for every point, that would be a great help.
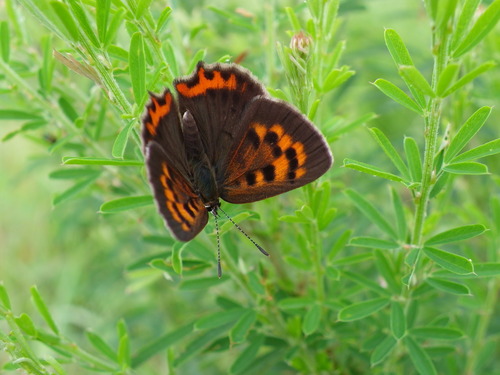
x: 182, y: 209
x: 279, y: 150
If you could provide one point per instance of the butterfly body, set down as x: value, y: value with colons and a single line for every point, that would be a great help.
x: 223, y: 137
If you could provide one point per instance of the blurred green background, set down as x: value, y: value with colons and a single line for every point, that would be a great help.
x: 90, y: 268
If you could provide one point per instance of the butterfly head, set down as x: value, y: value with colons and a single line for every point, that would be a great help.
x: 212, y: 207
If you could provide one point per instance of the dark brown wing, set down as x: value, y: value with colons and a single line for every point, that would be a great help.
x: 217, y: 95
x: 166, y: 163
x: 278, y: 150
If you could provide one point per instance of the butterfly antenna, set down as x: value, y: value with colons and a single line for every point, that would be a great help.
x: 219, y: 268
x: 242, y: 231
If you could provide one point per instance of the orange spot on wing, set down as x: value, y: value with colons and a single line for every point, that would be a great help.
x: 260, y: 129
x: 301, y: 155
x: 157, y: 111
x: 204, y: 84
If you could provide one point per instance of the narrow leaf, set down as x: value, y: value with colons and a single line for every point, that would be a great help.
x: 67, y: 20
x: 399, y: 213
x: 487, y: 149
x: 397, y: 48
x: 4, y: 41
x: 219, y: 319
x: 419, y: 357
x: 371, y: 169
x: 437, y: 333
x: 160, y: 344
x: 101, y: 161
x: 466, y: 132
x: 398, y: 95
x: 456, y: 234
x: 121, y: 141
x: 484, y: 24
x: 390, y: 151
x: 449, y: 261
x: 163, y: 19
x: 101, y: 345
x: 4, y: 296
x: 387, y: 271
x: 398, y: 320
x: 467, y: 168
x: 469, y: 77
x: 414, y: 78
x: 448, y: 286
x: 312, y: 320
x: 73, y: 173
x: 83, y: 22
x: 102, y: 16
x: 73, y: 190
x: 447, y: 77
x: 414, y: 160
x: 371, y: 212
x: 43, y: 310
x: 240, y: 330
x: 362, y: 309
x: 383, y: 350
x: 137, y: 67
x: 247, y: 356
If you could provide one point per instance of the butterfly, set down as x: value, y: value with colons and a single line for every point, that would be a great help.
x: 221, y: 136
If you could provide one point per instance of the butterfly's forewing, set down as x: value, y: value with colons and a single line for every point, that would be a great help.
x: 168, y: 172
x: 216, y: 95
x: 278, y: 150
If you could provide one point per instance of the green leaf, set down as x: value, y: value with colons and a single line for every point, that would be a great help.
x: 43, y: 310
x: 446, y: 78
x: 239, y: 331
x: 466, y: 132
x: 437, y: 333
x: 163, y: 19
x: 399, y: 213
x: 177, y: 250
x: 371, y: 169
x: 487, y: 149
x: 373, y: 243
x: 247, y: 356
x: 121, y: 141
x: 292, y: 303
x: 467, y: 168
x: 386, y: 271
x: 102, y: 17
x: 142, y: 7
x: 114, y: 25
x: 398, y: 320
x: 469, y: 77
x: 26, y: 324
x: 398, y: 95
x: 219, y: 318
x: 137, y: 68
x: 480, y: 270
x: 414, y: 160
x: 4, y: 296
x: 382, y: 350
x: 467, y: 15
x: 311, y: 320
x: 160, y: 344
x: 484, y: 24
x: 83, y: 22
x: 366, y: 282
x: 390, y: 151
x: 73, y: 190
x: 101, y: 161
x: 419, y: 357
x: 361, y: 310
x: 448, y: 286
x: 371, y: 212
x: 98, y: 343
x: 397, y: 48
x: 449, y: 261
x: 414, y: 78
x: 456, y: 234
x: 67, y: 20
x: 4, y: 41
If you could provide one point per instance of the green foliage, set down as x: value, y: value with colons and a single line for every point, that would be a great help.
x: 405, y: 282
